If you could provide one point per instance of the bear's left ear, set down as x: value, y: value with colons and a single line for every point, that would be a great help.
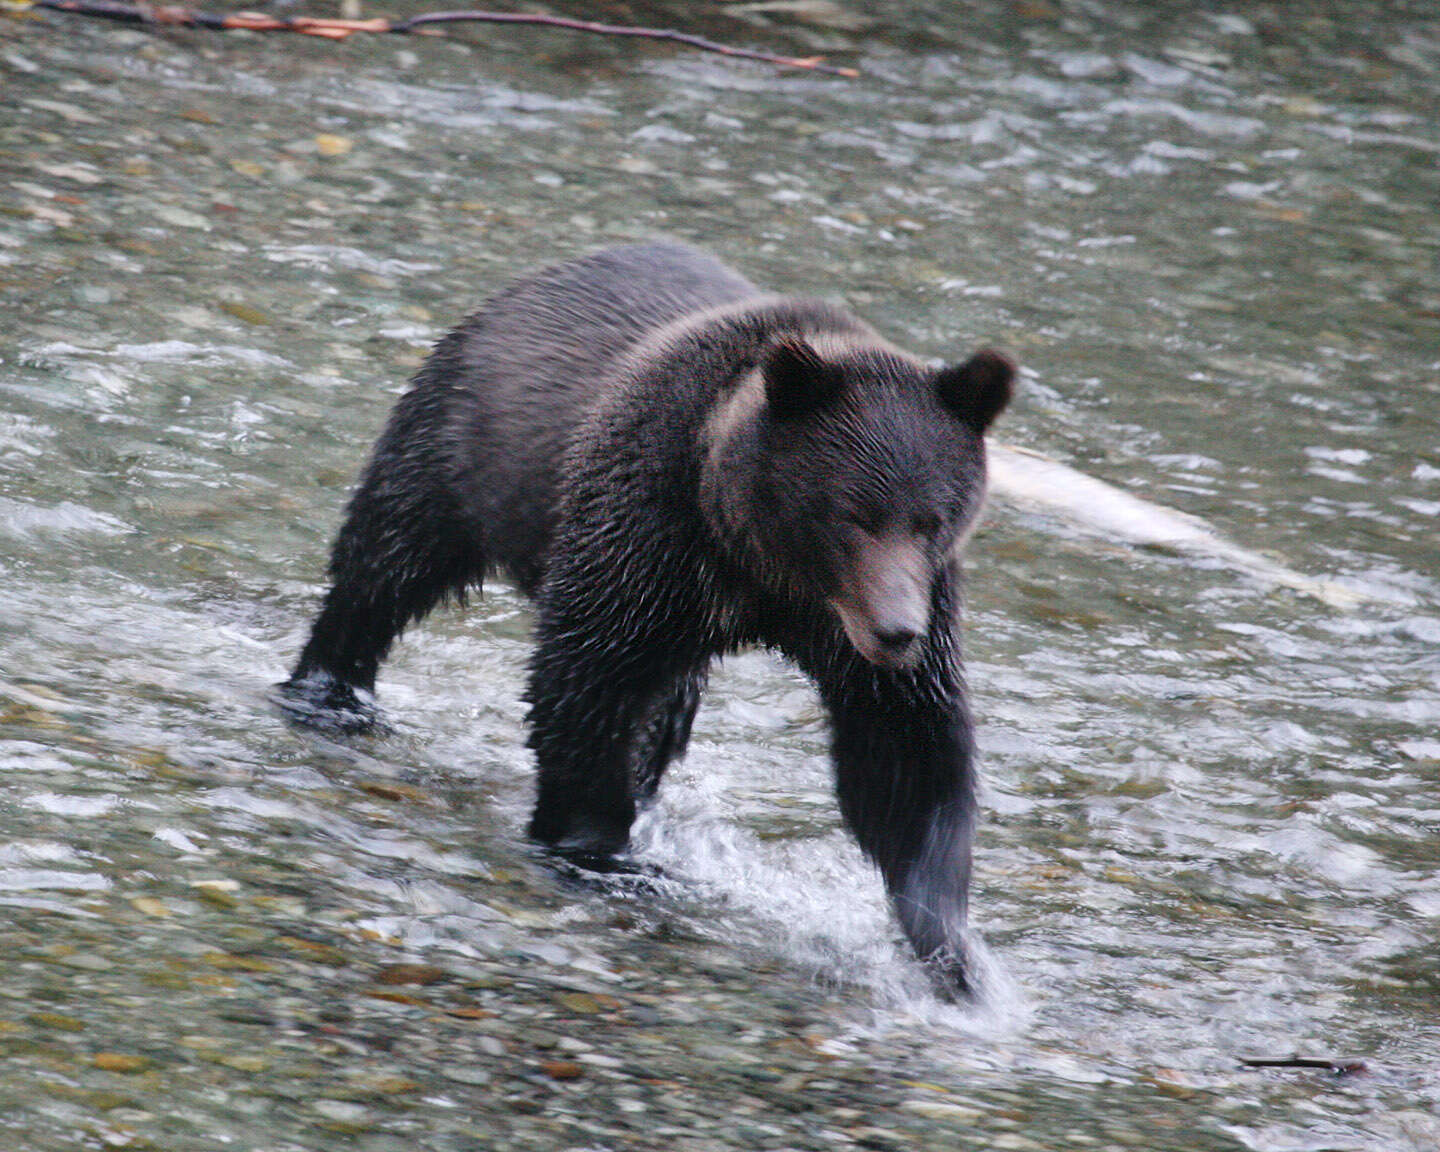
x: 797, y: 381
x: 977, y: 390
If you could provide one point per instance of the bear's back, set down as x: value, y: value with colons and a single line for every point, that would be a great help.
x: 522, y: 373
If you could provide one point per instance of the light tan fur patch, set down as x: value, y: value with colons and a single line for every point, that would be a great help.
x: 888, y: 594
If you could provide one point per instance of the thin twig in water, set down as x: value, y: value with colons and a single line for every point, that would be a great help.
x: 1339, y: 1067
x: 339, y: 29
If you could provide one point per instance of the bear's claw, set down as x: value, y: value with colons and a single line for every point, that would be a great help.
x: 949, y: 972
x: 328, y: 704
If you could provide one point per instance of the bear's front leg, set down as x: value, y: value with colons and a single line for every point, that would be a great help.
x: 613, y: 690
x: 903, y: 759
x: 583, y: 725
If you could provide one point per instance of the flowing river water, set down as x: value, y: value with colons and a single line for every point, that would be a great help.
x: 1211, y: 811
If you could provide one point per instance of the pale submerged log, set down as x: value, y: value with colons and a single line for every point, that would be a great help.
x: 1031, y: 481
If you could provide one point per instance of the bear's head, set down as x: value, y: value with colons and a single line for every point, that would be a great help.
x: 850, y: 473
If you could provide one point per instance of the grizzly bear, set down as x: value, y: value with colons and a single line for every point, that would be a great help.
x: 674, y: 466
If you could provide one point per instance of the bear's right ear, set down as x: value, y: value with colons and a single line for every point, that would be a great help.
x: 797, y: 381
x: 977, y: 390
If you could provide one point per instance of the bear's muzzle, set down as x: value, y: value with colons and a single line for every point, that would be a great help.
x: 884, y: 600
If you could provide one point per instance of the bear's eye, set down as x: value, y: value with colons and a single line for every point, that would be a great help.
x: 868, y: 522
x: 926, y: 524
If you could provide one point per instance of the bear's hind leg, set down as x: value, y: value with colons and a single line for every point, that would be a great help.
x: 403, y: 549
x: 667, y: 732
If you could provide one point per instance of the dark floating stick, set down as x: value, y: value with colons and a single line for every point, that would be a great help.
x: 339, y: 29
x: 1339, y: 1067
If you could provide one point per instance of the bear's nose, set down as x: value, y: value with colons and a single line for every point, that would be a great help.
x: 896, y: 639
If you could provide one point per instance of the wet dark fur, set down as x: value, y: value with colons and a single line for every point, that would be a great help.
x: 676, y: 466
